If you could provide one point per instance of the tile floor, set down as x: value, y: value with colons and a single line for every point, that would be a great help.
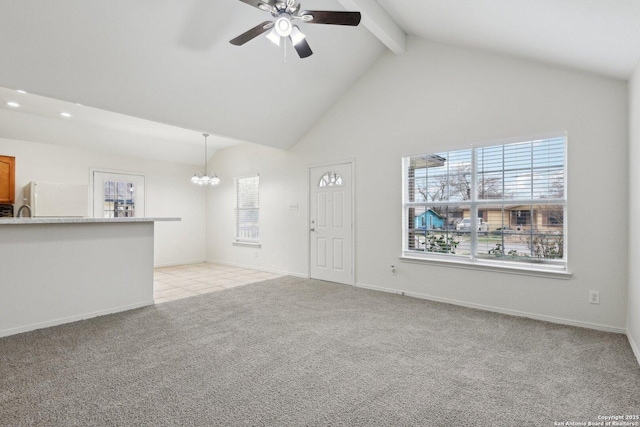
x: 181, y: 281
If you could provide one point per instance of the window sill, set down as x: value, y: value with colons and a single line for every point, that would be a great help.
x: 484, y: 266
x: 247, y: 244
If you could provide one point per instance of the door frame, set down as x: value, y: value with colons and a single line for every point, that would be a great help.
x: 352, y: 164
x: 92, y: 171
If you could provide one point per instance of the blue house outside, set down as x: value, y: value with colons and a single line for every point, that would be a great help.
x: 429, y: 220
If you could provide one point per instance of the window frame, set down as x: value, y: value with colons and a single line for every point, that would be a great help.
x: 547, y: 268
x: 240, y: 240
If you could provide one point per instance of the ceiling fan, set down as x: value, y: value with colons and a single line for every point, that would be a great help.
x: 285, y: 12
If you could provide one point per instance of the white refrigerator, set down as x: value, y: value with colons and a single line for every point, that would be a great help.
x: 48, y: 199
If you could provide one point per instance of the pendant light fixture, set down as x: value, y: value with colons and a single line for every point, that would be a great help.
x: 205, y: 178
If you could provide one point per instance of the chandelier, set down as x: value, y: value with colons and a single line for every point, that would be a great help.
x: 205, y: 178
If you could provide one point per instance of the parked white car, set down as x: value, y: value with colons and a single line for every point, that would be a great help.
x: 465, y: 225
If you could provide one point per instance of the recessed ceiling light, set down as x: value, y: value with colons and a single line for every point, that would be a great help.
x: 13, y: 104
x: 21, y: 91
x: 65, y: 114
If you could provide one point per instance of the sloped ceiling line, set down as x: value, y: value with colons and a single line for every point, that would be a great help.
x: 381, y: 25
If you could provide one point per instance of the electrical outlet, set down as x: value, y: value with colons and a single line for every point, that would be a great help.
x: 594, y: 297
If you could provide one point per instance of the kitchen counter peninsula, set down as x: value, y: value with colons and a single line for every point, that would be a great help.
x: 61, y: 220
x: 59, y: 270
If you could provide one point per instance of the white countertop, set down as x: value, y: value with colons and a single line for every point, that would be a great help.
x: 60, y: 220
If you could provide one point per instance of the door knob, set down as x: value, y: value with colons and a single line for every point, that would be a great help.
x: 313, y: 229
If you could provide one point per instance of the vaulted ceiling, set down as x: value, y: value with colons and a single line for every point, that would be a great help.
x: 170, y: 61
x: 601, y: 36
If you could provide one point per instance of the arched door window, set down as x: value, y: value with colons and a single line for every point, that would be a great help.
x: 331, y: 179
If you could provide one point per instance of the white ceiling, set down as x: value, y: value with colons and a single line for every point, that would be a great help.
x: 37, y: 118
x: 170, y: 62
x: 601, y: 36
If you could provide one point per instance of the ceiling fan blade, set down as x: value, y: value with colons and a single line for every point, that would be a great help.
x: 252, y: 33
x: 303, y: 49
x: 256, y: 3
x: 328, y: 17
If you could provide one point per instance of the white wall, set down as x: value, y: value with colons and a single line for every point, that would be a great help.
x: 633, y: 324
x: 282, y: 231
x: 169, y: 193
x: 432, y: 98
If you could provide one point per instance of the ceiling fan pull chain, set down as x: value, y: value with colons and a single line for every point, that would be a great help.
x: 285, y: 49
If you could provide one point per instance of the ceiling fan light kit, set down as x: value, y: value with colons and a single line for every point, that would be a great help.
x: 274, y: 37
x: 284, y: 12
x: 296, y: 35
x: 283, y: 26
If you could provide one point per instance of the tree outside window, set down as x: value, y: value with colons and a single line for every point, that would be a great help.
x: 503, y: 202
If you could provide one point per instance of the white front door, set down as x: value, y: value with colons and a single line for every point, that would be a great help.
x: 331, y: 223
x: 117, y: 195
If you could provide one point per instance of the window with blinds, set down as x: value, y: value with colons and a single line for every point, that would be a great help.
x: 248, y: 209
x: 492, y: 204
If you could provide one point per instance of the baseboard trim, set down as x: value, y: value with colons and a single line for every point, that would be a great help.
x: 172, y: 264
x: 266, y: 270
x: 634, y: 346
x: 70, y: 319
x: 545, y: 318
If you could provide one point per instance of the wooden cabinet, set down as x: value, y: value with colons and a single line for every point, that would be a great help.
x: 7, y: 180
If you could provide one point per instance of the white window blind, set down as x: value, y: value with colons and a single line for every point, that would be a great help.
x: 248, y: 209
x: 503, y: 204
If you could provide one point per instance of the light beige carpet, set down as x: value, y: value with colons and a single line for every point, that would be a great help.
x: 300, y: 352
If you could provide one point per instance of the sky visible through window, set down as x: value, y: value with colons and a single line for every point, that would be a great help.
x: 500, y: 202
x: 526, y: 170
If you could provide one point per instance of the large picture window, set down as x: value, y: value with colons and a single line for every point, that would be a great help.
x: 498, y: 204
x: 248, y: 209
